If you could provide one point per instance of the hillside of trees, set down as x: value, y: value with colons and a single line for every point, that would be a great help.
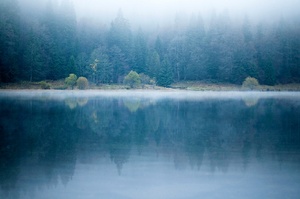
x: 51, y: 43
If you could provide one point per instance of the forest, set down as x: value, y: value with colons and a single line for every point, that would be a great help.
x: 52, y: 42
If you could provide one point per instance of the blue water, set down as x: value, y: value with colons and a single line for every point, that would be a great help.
x: 158, y: 144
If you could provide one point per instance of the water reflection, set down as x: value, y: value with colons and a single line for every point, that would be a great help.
x: 42, y: 140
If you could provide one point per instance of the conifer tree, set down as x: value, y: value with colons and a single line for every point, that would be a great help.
x: 165, y: 77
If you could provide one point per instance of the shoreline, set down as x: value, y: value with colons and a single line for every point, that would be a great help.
x: 180, y: 86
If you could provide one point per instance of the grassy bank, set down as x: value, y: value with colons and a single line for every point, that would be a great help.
x: 189, y: 85
x: 60, y: 85
x: 201, y: 86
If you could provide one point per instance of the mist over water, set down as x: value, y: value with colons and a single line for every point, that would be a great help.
x: 147, y: 95
x: 149, y: 144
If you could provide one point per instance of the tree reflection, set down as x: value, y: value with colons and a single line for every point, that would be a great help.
x: 195, y: 150
x: 50, y: 136
x: 119, y: 138
x: 9, y: 166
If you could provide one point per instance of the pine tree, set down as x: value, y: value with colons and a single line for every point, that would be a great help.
x: 159, y: 48
x: 153, y: 63
x: 266, y: 70
x: 106, y: 70
x: 34, y: 66
x: 213, y: 50
x: 119, y: 64
x: 82, y: 61
x: 50, y: 34
x: 140, y: 52
x: 9, y: 40
x: 195, y: 67
x: 66, y: 39
x: 101, y: 70
x: 120, y: 36
x: 178, y: 54
x: 120, y: 47
x: 165, y: 77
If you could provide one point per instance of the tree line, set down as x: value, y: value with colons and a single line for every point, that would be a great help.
x: 53, y: 43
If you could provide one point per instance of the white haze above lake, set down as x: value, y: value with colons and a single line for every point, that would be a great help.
x: 160, y: 10
x: 148, y: 95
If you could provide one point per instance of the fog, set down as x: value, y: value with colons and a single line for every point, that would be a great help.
x: 149, y: 95
x: 160, y: 10
x: 141, y: 12
x: 224, y: 41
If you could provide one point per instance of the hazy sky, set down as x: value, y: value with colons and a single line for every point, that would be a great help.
x: 160, y: 9
x: 145, y: 12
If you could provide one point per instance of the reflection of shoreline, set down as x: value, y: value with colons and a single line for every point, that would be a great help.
x: 212, y: 160
x: 133, y: 104
x: 189, y: 134
x: 73, y: 102
x: 251, y: 100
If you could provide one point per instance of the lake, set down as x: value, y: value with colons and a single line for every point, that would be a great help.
x: 149, y: 145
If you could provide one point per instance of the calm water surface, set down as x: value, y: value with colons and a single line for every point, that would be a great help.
x: 133, y: 145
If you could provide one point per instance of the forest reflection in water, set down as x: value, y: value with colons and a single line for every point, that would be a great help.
x: 66, y: 143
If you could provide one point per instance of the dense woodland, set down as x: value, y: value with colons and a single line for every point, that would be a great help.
x: 51, y: 42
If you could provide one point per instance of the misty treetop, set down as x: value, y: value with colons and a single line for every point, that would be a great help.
x: 52, y: 43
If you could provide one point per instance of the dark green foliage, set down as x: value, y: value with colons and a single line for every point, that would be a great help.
x: 159, y: 47
x: 82, y: 83
x: 34, y: 66
x: 153, y: 63
x: 51, y: 44
x: 119, y: 63
x: 196, y: 57
x: 9, y: 40
x: 165, y: 77
x: 101, y: 70
x: 119, y: 42
x: 71, y: 65
x: 178, y: 57
x: 82, y: 61
x: 140, y: 52
x: 268, y: 73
